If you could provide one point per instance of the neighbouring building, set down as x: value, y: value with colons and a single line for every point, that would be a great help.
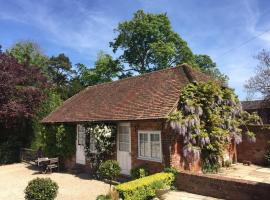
x: 259, y: 106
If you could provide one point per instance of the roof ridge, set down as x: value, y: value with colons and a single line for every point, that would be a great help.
x: 140, y: 75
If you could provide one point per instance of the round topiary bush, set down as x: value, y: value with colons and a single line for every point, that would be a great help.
x: 41, y: 189
x: 139, y: 172
x: 110, y: 170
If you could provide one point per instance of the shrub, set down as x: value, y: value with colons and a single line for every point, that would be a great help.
x: 103, y: 197
x: 110, y: 170
x: 112, y: 195
x: 172, y: 170
x: 227, y: 163
x: 41, y: 189
x: 139, y: 172
x: 267, y: 157
x: 144, y: 188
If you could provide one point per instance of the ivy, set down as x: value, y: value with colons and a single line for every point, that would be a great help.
x: 210, y: 117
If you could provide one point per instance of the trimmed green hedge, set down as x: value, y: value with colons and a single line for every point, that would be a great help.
x: 145, y: 187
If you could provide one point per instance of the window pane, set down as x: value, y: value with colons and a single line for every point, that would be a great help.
x: 123, y: 146
x: 81, y: 137
x: 155, y: 146
x: 124, y: 138
x: 144, y: 145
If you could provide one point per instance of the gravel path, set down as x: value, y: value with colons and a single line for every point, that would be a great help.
x: 14, y: 179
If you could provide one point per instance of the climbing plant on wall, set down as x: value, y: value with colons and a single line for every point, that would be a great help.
x: 210, y: 117
x: 103, y: 137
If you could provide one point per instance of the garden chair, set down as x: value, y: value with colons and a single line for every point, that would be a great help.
x: 53, y: 163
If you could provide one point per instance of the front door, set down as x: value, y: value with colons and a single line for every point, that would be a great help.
x: 124, y: 148
x: 80, y: 143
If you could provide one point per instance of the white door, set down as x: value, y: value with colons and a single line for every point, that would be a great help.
x: 124, y: 148
x: 80, y: 143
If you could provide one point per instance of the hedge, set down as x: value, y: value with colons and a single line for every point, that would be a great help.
x: 145, y: 187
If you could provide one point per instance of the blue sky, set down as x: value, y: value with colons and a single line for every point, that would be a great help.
x: 81, y: 29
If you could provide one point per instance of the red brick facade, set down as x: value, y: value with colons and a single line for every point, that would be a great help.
x: 254, y: 152
x: 172, y: 145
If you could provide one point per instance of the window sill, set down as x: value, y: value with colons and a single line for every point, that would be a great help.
x: 150, y: 159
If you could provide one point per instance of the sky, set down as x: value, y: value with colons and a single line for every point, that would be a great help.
x: 231, y: 32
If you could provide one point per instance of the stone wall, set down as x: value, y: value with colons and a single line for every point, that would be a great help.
x: 254, y: 152
x: 221, y: 187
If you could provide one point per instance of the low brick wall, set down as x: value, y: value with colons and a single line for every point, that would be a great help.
x: 254, y: 152
x: 221, y: 187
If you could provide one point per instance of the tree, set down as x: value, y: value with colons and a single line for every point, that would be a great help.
x: 260, y: 82
x: 21, y: 93
x: 206, y: 65
x: 149, y: 43
x: 29, y: 54
x: 21, y: 89
x: 61, y: 72
x: 105, y: 70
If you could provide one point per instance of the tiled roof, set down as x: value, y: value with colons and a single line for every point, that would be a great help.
x: 255, y: 105
x: 150, y: 96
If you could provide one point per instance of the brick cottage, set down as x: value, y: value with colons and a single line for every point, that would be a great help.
x: 139, y: 106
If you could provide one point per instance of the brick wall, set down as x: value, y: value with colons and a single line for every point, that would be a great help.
x: 146, y: 125
x: 221, y: 187
x: 254, y: 152
x: 172, y: 145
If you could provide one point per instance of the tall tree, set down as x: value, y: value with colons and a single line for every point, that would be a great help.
x: 260, y: 82
x: 22, y: 90
x: 148, y: 43
x: 60, y: 69
x: 29, y: 54
x: 206, y: 65
x: 105, y: 70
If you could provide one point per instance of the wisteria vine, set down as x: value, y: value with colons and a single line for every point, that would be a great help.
x: 209, y: 117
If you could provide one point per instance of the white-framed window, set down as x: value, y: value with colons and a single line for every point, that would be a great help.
x: 81, y: 135
x: 123, y: 140
x: 81, y: 139
x: 149, y: 145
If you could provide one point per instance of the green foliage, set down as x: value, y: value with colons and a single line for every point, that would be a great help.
x: 41, y: 189
x: 172, y: 170
x: 139, y: 172
x: 149, y: 43
x: 103, y: 197
x: 144, y: 188
x: 267, y: 155
x: 206, y: 65
x: 105, y: 70
x: 52, y: 101
x: 9, y: 150
x: 29, y: 54
x: 105, y: 141
x: 109, y: 169
x: 59, y: 140
x: 209, y: 118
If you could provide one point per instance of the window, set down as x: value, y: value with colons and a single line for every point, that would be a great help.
x: 123, y: 135
x: 81, y: 139
x: 149, y: 145
x: 92, y: 144
x: 81, y: 135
